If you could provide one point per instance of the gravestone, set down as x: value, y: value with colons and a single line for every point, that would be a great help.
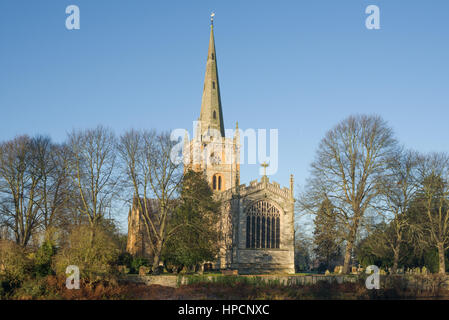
x: 338, y: 269
x: 143, y: 270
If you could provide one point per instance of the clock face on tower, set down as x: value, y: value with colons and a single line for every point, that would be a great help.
x: 215, y: 158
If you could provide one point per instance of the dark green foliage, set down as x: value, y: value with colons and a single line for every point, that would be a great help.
x: 196, y: 237
x: 366, y: 257
x: 2, y: 289
x: 410, y: 257
x: 42, y: 264
x: 302, y: 256
x: 125, y: 259
x: 326, y: 243
x: 425, y: 215
x: 138, y: 262
x: 33, y: 289
x: 374, y: 249
x: 430, y: 258
x: 414, y: 253
x: 6, y: 287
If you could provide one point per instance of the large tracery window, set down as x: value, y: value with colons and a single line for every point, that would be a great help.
x: 262, y: 226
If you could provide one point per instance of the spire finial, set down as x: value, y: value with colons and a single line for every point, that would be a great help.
x: 212, y: 15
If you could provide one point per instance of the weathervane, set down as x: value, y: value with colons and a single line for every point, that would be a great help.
x: 212, y: 15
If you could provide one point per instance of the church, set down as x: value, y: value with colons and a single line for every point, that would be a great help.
x: 257, y: 220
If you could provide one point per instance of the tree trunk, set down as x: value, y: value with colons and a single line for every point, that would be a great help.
x: 92, y: 235
x: 442, y: 265
x: 347, y: 259
x: 394, y: 269
x: 157, y: 256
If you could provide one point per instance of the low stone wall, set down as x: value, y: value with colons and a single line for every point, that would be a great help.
x: 162, y: 280
x: 305, y: 279
x: 432, y: 283
x: 174, y: 281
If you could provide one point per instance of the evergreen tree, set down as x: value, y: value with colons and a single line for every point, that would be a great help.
x: 302, y: 252
x: 196, y: 238
x: 326, y: 246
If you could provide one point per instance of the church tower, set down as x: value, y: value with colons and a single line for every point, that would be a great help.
x: 256, y: 221
x: 210, y: 151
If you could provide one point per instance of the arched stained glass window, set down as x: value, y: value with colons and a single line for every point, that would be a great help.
x: 263, y: 226
x: 263, y: 243
x: 248, y: 226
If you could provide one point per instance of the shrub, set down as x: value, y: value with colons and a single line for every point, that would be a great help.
x: 32, y: 289
x: 43, y: 259
x: 6, y: 287
x: 138, y: 262
x: 55, y: 288
x: 125, y: 259
x: 431, y: 259
x: 14, y: 265
x: 92, y: 250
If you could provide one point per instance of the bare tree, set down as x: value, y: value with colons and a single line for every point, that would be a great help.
x: 55, y: 190
x: 92, y: 171
x: 152, y: 176
x: 433, y: 202
x: 20, y: 178
x: 350, y: 159
x: 399, y: 188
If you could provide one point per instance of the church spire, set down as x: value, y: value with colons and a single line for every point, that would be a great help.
x: 211, y: 116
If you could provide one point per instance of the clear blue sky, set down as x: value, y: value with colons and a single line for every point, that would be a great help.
x: 298, y: 66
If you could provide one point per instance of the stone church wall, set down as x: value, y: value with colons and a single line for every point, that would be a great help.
x: 263, y: 260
